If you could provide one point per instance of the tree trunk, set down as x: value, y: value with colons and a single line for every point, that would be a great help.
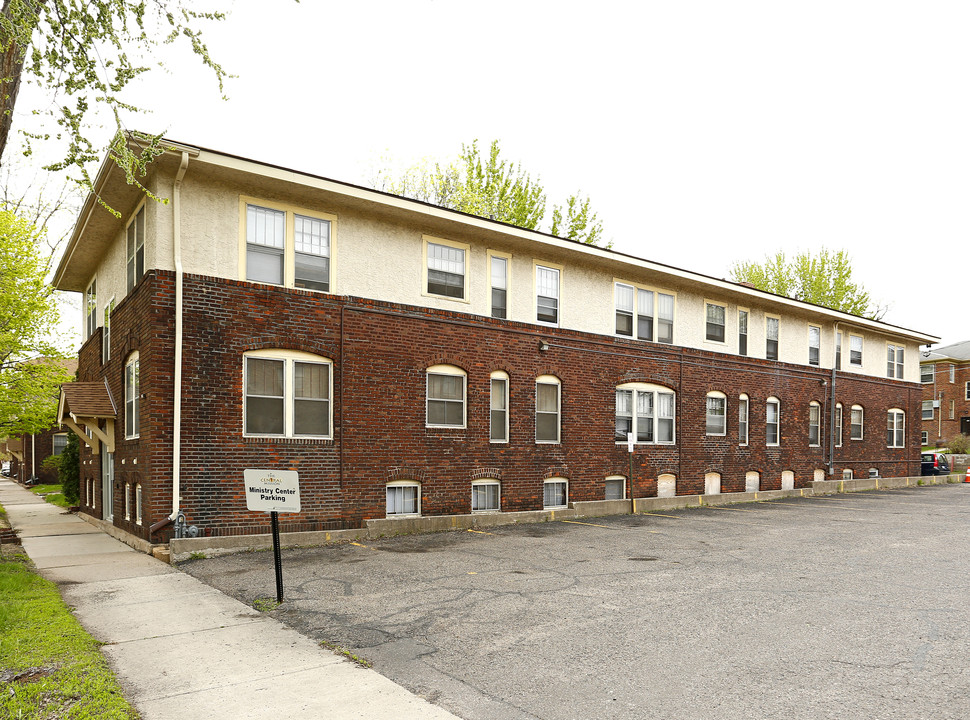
x: 11, y: 67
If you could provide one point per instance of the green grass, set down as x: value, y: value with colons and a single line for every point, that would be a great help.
x: 52, y: 494
x: 38, y: 633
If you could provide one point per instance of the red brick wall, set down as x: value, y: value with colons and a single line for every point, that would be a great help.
x: 942, y: 428
x: 380, y: 353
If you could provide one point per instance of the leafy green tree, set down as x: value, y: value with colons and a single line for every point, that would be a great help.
x: 69, y: 470
x: 84, y: 54
x: 823, y: 278
x: 494, y: 188
x: 31, y: 370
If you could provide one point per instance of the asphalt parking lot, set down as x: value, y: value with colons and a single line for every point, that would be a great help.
x: 847, y: 606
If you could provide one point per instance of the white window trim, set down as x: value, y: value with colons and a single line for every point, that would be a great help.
x: 499, y: 375
x: 614, y: 478
x: 719, y: 396
x: 725, y: 326
x: 966, y: 390
x: 90, y: 308
x: 289, y: 358
x: 487, y: 481
x: 134, y: 217
x: 818, y: 407
x: 923, y: 410
x: 403, y: 483
x: 818, y: 347
x: 454, y: 371
x: 106, y: 334
x: 133, y: 361
x: 744, y: 402
x: 902, y: 415
x: 549, y: 380
x: 777, y: 340
x: 953, y: 372
x: 489, y: 254
x: 924, y: 437
x: 549, y: 481
x: 430, y: 239
x: 899, y: 367
x: 747, y: 334
x: 862, y: 425
x: 289, y: 241
x: 655, y: 389
x: 862, y: 350
x: 777, y: 403
x: 536, y: 264
x: 657, y: 292
x: 128, y: 501
x: 839, y: 429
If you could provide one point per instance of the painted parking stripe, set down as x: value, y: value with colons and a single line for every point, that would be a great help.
x: 719, y: 507
x: 576, y: 522
x: 675, y: 517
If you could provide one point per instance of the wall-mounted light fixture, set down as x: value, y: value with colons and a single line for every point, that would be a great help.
x: 543, y: 346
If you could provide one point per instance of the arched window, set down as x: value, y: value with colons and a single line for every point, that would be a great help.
x: 548, y: 405
x: 445, y: 396
x: 743, y: 413
x: 132, y: 397
x: 287, y: 394
x: 555, y: 493
x: 499, y: 408
x: 896, y: 429
x: 403, y: 498
x: 814, y: 424
x: 138, y: 503
x: 856, y: 423
x: 486, y: 495
x: 773, y: 421
x: 647, y: 411
x: 838, y: 425
x: 716, y: 413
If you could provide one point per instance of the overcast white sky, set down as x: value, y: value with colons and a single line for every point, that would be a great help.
x: 705, y: 132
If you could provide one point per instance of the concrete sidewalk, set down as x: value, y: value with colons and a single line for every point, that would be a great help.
x: 182, y: 649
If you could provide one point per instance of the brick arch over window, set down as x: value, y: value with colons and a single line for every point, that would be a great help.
x: 455, y: 360
x: 556, y: 471
x: 406, y: 473
x: 280, y: 342
x: 483, y: 473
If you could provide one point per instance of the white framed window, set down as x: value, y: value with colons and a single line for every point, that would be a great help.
x: 106, y: 333
x: 856, y: 419
x: 486, y: 496
x: 138, y: 503
x: 132, y: 397
x: 924, y: 437
x: 445, y: 395
x: 927, y: 410
x: 966, y: 391
x: 58, y: 443
x: 714, y: 330
x: 91, y: 308
x: 838, y: 425
x: 894, y: 361
x: 716, y: 414
x: 814, y: 344
x: 615, y: 488
x: 127, y: 501
x: 771, y: 337
x: 896, y: 428
x: 838, y: 351
x: 847, y: 474
x: 403, y: 498
x: 926, y: 375
x: 855, y: 350
x: 285, y: 245
x: 548, y: 406
x: 445, y: 268
x: 498, y: 269
x: 742, y: 332
x: 953, y: 404
x: 499, y: 408
x: 287, y: 394
x: 743, y: 413
x: 547, y: 294
x: 647, y: 411
x: 135, y: 248
x: 555, y: 493
x: 644, y: 313
x: 953, y: 372
x: 773, y: 421
x: 814, y: 424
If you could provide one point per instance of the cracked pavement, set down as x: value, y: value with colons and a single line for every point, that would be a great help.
x: 847, y: 606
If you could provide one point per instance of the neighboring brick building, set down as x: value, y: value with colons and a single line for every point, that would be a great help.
x: 411, y: 360
x: 945, y: 375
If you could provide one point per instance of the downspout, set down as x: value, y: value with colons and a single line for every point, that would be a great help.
x: 177, y: 406
x: 832, y: 406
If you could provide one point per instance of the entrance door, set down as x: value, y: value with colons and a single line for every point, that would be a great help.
x: 107, y: 484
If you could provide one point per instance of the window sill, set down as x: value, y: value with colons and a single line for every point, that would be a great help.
x: 402, y: 516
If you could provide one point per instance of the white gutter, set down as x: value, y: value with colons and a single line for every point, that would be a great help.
x: 177, y: 409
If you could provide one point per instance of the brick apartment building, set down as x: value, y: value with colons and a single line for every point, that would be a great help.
x: 945, y: 375
x: 407, y: 360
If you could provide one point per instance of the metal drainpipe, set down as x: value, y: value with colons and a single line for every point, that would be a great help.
x: 177, y: 407
x: 832, y: 408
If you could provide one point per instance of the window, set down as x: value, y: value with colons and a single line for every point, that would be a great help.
x: 894, y: 361
x: 927, y: 410
x: 814, y: 344
x: 645, y: 410
x: 403, y: 498
x: 135, y: 248
x: 486, y: 496
x: 555, y: 493
x: 445, y: 396
x: 952, y: 408
x: 287, y: 246
x: 924, y: 437
x: 446, y: 269
x: 547, y: 409
x: 847, y: 474
x: 265, y: 244
x: 742, y: 332
x: 311, y: 259
x: 855, y: 423
x: 838, y: 425
x: 138, y: 503
x: 926, y: 375
x: 91, y: 308
x: 59, y: 442
x: 499, y: 417
x: 106, y: 333
x: 773, y: 422
x: 855, y: 350
x: 966, y: 391
x: 287, y: 394
x: 896, y: 426
x: 127, y: 501
x: 636, y: 309
x: 716, y: 413
x: 771, y: 333
x: 743, y: 420
x: 838, y: 351
x: 953, y: 372
x: 615, y: 488
x: 499, y: 273
x: 132, y: 397
x: 547, y: 295
x: 715, y: 322
x: 814, y: 424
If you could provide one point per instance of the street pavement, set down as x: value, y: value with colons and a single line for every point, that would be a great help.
x: 182, y: 649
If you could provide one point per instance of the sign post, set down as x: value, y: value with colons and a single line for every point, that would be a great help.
x: 273, y: 491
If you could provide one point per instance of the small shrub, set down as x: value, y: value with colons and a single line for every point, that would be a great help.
x: 959, y: 445
x: 52, y: 463
x: 69, y: 470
